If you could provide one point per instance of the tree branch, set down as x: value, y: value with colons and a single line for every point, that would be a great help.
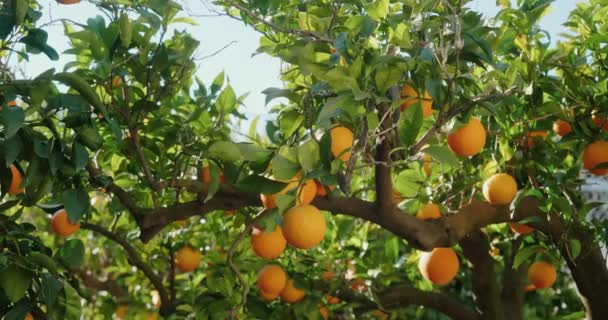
x: 382, y: 169
x: 513, y: 284
x: 93, y: 283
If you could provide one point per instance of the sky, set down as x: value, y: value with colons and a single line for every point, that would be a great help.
x: 247, y: 73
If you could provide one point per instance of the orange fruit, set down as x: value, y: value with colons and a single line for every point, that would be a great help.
x: 268, y: 296
x: 268, y: 245
x: 520, y: 228
x: 28, y: 316
x: 322, y: 190
x: 116, y: 82
x: 206, y: 175
x: 429, y: 211
x: 542, y: 274
x: 12, y: 103
x: 358, y: 285
x: 324, y: 312
x: 61, y: 224
x: 332, y: 300
x: 68, y: 1
x: 121, y: 311
x: 229, y: 213
x: 530, y: 287
x: 561, y: 127
x: 533, y: 134
x: 306, y: 192
x: 328, y: 275
x: 397, y: 197
x: 304, y: 226
x: 439, y: 266
x: 500, y: 189
x: 291, y: 294
x: 379, y: 315
x: 16, y: 181
x: 468, y: 140
x: 600, y: 121
x: 187, y: 259
x: 494, y: 251
x: 272, y: 279
x: 596, y: 153
x: 412, y: 97
x: 269, y: 201
x: 156, y: 299
x: 342, y: 140
x: 427, y: 164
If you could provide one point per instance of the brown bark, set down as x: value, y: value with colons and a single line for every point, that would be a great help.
x: 513, y: 284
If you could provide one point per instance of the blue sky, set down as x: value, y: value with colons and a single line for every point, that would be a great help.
x: 247, y: 73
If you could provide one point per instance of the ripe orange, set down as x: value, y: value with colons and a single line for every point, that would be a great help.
x: 429, y: 211
x: 530, y: 287
x: 439, y: 266
x: 520, y: 228
x: 412, y: 97
x: 272, y: 279
x: 332, y: 300
x: 328, y: 275
x: 342, y: 140
x: 187, y: 259
x: 291, y: 294
x: 561, y: 127
x: 499, y: 189
x: 542, y: 274
x: 121, y: 311
x: 380, y: 315
x: 28, y: 316
x: 322, y: 190
x: 468, y: 140
x: 306, y: 192
x: 304, y: 226
x: 206, y: 175
x: 16, y: 181
x: 533, y: 134
x: 358, y: 285
x: 116, y: 82
x: 596, y: 153
x: 61, y: 224
x: 268, y: 296
x: 268, y: 245
x: 269, y: 201
x: 600, y: 121
x: 427, y: 164
x: 156, y: 299
x: 11, y: 103
x: 68, y: 1
x: 324, y: 312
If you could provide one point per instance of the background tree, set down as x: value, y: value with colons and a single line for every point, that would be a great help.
x: 399, y: 120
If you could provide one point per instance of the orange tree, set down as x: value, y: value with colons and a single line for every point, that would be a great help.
x: 412, y: 169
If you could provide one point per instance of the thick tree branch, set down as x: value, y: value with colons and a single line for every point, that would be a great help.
x: 119, y: 192
x: 95, y: 284
x: 476, y: 249
x: 167, y: 306
x: 384, y: 183
x: 513, y: 284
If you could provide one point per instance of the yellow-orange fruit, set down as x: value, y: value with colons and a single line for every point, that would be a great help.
x: 206, y: 175
x: 562, y: 127
x: 306, y: 192
x: 304, y: 226
x: 600, y: 122
x: 61, y: 224
x: 28, y: 316
x: 427, y: 164
x: 412, y: 97
x: 341, y: 140
x: 542, y: 274
x: 116, y: 82
x: 520, y: 228
x: 324, y: 312
x: 529, y: 288
x: 494, y: 251
x: 268, y: 296
x: 595, y: 154
x: 272, y: 279
x: 429, y: 211
x: 121, y: 311
x: 439, y: 266
x: 11, y: 103
x: 468, y: 140
x: 68, y: 1
x: 268, y: 245
x: 187, y: 259
x: 156, y: 299
x: 323, y: 190
x: 332, y: 300
x: 500, y: 189
x: 328, y: 275
x: 269, y: 201
x: 17, y: 179
x: 533, y: 134
x: 291, y: 294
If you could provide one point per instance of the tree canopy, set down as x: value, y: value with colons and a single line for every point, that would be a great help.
x: 421, y: 162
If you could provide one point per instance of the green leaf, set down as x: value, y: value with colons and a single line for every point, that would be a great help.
x: 226, y: 150
x: 80, y: 156
x: 283, y: 169
x: 7, y: 23
x: 35, y: 40
x: 252, y: 152
x: 378, y: 10
x: 43, y: 261
x: 574, y: 247
x: 217, y: 83
x: 409, y: 125
x: 76, y: 203
x: 285, y: 202
x: 526, y: 254
x: 15, y: 282
x: 273, y: 93
x: 522, y: 194
x: 12, y: 119
x: 50, y: 288
x: 126, y: 30
x: 443, y: 155
x: 227, y: 100
x: 21, y: 7
x: 386, y: 77
x: 214, y: 183
x: 409, y: 182
x: 71, y: 253
x: 309, y: 155
x: 290, y: 121
x: 259, y: 184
